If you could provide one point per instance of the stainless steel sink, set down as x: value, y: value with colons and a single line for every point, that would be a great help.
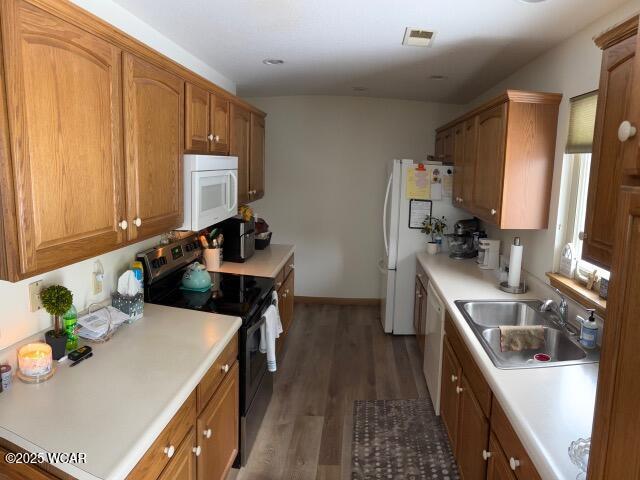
x: 561, y: 346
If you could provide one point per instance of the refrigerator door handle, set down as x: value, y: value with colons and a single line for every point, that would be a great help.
x: 384, y: 214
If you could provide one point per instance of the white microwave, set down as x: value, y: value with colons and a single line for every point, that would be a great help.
x: 210, y: 190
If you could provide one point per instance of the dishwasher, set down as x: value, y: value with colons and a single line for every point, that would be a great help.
x: 434, y: 334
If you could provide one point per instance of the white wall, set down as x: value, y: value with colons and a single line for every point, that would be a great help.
x: 326, y: 173
x: 16, y: 322
x: 121, y: 18
x: 571, y: 68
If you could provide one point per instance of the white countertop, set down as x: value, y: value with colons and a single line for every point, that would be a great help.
x: 263, y: 263
x: 114, y: 405
x: 547, y: 407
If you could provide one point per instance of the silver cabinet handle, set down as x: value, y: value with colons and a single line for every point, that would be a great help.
x: 225, y: 368
x: 216, y: 138
x: 514, y: 463
x: 459, y: 390
x: 123, y: 224
x: 454, y: 378
x: 493, y: 211
x: 210, y: 137
x: 207, y: 433
x: 292, y: 266
x: 284, y: 295
x: 626, y: 131
x: 138, y: 222
x: 486, y: 455
x: 169, y: 451
x: 278, y: 285
x: 197, y: 450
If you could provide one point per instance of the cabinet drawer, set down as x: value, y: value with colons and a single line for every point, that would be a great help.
x: 289, y: 266
x: 216, y: 373
x: 474, y: 376
x: 422, y: 275
x: 154, y: 461
x: 511, y: 445
x: 279, y: 279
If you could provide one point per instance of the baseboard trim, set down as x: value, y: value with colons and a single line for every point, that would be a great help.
x: 367, y: 302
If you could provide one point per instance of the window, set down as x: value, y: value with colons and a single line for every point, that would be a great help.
x: 577, y: 160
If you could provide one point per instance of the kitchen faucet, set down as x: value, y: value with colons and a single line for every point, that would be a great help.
x: 561, y: 309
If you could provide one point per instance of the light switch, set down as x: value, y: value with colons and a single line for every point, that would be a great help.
x: 34, y: 296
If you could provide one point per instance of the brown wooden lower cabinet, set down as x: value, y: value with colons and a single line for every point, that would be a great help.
x: 183, y: 463
x: 21, y: 471
x: 497, y: 464
x: 485, y: 448
x: 473, y: 434
x: 449, y: 398
x: 285, y: 286
x: 218, y: 429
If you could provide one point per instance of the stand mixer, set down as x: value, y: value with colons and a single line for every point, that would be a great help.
x: 463, y: 242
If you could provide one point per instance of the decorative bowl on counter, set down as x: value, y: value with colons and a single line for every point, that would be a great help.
x: 579, y: 455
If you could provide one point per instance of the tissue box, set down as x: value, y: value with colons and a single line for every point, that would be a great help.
x: 133, y: 306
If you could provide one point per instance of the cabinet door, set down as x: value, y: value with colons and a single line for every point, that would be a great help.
x: 288, y: 296
x: 606, y: 172
x: 240, y: 144
x: 153, y: 109
x: 219, y: 118
x: 20, y: 471
x: 615, y: 447
x: 218, y: 429
x: 488, y: 176
x: 256, y: 169
x: 469, y: 159
x: 498, y: 466
x: 196, y: 126
x: 183, y: 463
x: 458, y: 163
x: 473, y: 435
x: 448, y: 146
x: 417, y: 304
x: 449, y: 397
x: 64, y: 109
x: 439, y: 147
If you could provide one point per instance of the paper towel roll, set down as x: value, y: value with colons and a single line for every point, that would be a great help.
x: 515, y: 263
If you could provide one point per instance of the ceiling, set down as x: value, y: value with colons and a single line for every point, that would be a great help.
x: 331, y: 46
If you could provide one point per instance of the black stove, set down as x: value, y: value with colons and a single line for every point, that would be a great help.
x: 243, y: 296
x: 235, y: 295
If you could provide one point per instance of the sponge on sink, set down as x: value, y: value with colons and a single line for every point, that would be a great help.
x: 514, y: 338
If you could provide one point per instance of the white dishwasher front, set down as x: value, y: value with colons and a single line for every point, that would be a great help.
x: 432, y: 366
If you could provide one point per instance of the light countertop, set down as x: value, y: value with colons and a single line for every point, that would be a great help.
x: 547, y: 407
x: 263, y: 263
x: 113, y: 406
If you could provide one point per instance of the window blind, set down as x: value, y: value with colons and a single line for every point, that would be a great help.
x: 582, y: 120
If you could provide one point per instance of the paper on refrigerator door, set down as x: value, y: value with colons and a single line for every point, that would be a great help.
x: 418, y: 184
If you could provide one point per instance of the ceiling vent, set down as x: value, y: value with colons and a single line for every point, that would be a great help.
x: 415, y: 37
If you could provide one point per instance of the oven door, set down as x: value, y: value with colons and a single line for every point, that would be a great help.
x: 255, y: 364
x: 214, y: 197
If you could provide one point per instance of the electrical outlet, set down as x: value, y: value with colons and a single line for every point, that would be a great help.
x: 34, y: 296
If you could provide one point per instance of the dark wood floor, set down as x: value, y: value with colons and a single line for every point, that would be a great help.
x: 334, y: 355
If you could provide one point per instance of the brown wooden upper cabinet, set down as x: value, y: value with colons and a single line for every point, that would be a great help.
x: 508, y: 149
x: 240, y: 146
x: 206, y: 121
x: 92, y: 133
x: 64, y: 176
x: 256, y: 164
x: 444, y: 146
x: 608, y: 164
x: 153, y: 103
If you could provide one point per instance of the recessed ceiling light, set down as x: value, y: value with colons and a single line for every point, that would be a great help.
x: 416, y: 37
x: 437, y: 77
x: 272, y: 61
x: 360, y: 89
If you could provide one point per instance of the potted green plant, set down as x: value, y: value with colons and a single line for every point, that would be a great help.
x: 56, y: 300
x: 435, y: 228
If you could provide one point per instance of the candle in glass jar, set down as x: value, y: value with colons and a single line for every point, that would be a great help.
x: 35, y: 359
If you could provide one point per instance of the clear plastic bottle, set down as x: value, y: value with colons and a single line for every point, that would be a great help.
x: 70, y: 320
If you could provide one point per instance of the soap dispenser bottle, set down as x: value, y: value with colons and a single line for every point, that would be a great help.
x: 589, y: 330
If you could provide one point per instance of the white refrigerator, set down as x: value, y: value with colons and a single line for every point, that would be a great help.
x: 401, y: 243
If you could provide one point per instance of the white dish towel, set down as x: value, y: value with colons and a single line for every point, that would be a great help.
x: 269, y: 331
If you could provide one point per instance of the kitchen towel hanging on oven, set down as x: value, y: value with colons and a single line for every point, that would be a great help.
x: 269, y: 331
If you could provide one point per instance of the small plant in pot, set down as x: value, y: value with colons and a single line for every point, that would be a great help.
x: 56, y: 300
x: 435, y: 228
